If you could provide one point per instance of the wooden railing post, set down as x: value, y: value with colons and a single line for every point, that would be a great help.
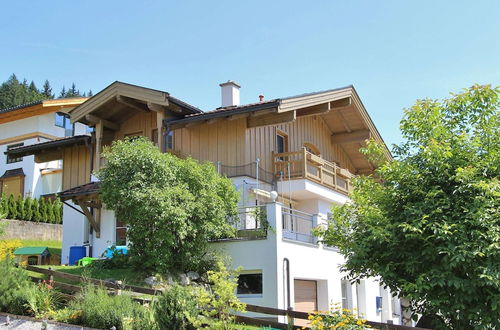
x: 304, y: 155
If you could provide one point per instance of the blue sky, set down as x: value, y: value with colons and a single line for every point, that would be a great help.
x: 393, y: 52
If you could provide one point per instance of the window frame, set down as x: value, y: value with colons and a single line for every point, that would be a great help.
x: 284, y: 136
x: 10, y: 160
x: 251, y: 295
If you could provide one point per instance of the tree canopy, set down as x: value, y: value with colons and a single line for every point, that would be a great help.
x: 173, y: 206
x: 13, y: 92
x: 428, y: 222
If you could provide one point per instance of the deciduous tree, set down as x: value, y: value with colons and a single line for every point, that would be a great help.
x: 428, y: 222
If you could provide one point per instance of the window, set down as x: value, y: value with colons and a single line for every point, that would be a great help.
x: 10, y: 159
x: 62, y: 120
x: 281, y: 142
x: 121, y: 233
x: 346, y: 294
x: 169, y: 140
x: 249, y: 284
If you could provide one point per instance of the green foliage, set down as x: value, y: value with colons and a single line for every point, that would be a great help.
x: 172, y: 206
x: 13, y: 286
x: 21, y: 210
x: 13, y: 93
x: 12, y: 205
x: 28, y: 209
x: 100, y: 310
x: 57, y: 211
x: 4, y: 206
x: 219, y: 304
x: 429, y: 222
x: 336, y: 318
x: 37, y: 215
x: 41, y: 300
x: 177, y: 308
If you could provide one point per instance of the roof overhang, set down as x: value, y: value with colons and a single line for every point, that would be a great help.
x: 50, y: 150
x: 119, y: 101
x: 39, y: 108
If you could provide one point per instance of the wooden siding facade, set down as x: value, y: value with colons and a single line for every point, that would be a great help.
x: 232, y: 143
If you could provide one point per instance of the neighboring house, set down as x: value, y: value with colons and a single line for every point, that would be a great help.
x: 30, y: 124
x: 292, y: 158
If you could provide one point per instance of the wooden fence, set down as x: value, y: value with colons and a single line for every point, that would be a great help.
x: 268, y: 321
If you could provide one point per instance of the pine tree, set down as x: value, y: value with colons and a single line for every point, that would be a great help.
x: 90, y: 94
x: 43, y: 210
x: 58, y: 211
x: 47, y: 90
x: 4, y: 208
x: 12, y: 207
x: 63, y: 92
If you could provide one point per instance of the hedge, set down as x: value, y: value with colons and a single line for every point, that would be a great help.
x: 31, y: 209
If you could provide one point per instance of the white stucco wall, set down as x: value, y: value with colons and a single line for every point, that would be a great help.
x: 43, y: 124
x: 75, y: 230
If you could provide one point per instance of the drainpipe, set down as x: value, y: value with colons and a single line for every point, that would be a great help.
x: 286, y: 273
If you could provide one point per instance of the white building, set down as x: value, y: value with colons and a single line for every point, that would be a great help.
x: 306, y: 148
x: 30, y: 124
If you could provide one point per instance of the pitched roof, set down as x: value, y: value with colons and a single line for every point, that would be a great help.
x: 84, y: 189
x: 63, y: 142
x: 32, y: 250
x: 52, y: 102
x: 21, y: 106
x: 14, y: 172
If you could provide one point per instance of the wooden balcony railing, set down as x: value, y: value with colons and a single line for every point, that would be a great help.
x: 306, y: 165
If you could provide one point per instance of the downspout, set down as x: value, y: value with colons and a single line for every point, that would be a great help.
x: 286, y: 266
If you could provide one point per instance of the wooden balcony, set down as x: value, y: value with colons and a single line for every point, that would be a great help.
x: 306, y: 165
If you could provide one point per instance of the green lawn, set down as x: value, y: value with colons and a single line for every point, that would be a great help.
x: 54, y: 246
x: 126, y: 275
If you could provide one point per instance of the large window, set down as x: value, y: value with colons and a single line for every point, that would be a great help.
x: 249, y: 284
x: 169, y: 140
x: 10, y: 159
x: 62, y: 120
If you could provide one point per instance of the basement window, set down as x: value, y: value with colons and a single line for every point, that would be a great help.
x: 249, y: 284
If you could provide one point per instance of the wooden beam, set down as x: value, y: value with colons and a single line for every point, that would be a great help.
x: 156, y: 107
x: 352, y: 137
x: 239, y: 116
x: 315, y: 110
x: 98, y: 142
x: 89, y: 217
x: 214, y: 120
x: 94, y: 120
x: 271, y: 119
x: 47, y: 156
x: 345, y: 102
x: 262, y: 112
x: 131, y: 103
x: 160, y: 116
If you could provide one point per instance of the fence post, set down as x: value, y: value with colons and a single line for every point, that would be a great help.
x: 290, y: 319
x: 257, y: 161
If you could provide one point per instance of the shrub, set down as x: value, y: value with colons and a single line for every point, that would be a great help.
x: 21, y: 212
x: 336, y: 318
x: 4, y: 206
x: 12, y: 205
x: 7, y: 247
x: 218, y: 304
x: 28, y: 209
x: 13, y: 286
x: 58, y: 207
x: 42, y: 300
x: 176, y: 308
x: 37, y: 215
x: 99, y: 310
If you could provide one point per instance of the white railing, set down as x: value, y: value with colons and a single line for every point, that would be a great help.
x: 297, y: 225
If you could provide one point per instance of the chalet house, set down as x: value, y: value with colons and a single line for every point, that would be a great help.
x: 291, y: 157
x: 30, y: 124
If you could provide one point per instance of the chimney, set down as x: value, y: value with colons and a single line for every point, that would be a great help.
x: 230, y: 93
x: 261, y: 98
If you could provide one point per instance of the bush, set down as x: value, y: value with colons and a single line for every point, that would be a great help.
x: 37, y: 215
x: 4, y: 206
x: 12, y: 206
x: 99, y: 310
x: 42, y: 300
x: 7, y: 247
x: 58, y: 208
x: 28, y: 209
x: 219, y: 304
x: 13, y: 286
x: 176, y: 308
x: 337, y: 318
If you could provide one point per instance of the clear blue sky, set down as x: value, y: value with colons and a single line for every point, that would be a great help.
x: 393, y: 52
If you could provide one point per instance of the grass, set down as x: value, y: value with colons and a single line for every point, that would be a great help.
x: 126, y: 275
x: 55, y: 247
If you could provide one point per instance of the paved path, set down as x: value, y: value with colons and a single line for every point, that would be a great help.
x: 31, y: 324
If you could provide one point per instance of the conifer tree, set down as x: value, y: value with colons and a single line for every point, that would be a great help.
x: 28, y: 209
x: 47, y: 90
x: 37, y: 216
x: 63, y: 92
x: 12, y: 207
x: 21, y: 210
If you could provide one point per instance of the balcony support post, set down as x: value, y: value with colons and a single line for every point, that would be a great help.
x: 304, y: 156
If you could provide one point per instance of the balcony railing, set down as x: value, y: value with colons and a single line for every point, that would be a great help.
x: 297, y: 225
x: 251, y: 221
x: 306, y: 165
